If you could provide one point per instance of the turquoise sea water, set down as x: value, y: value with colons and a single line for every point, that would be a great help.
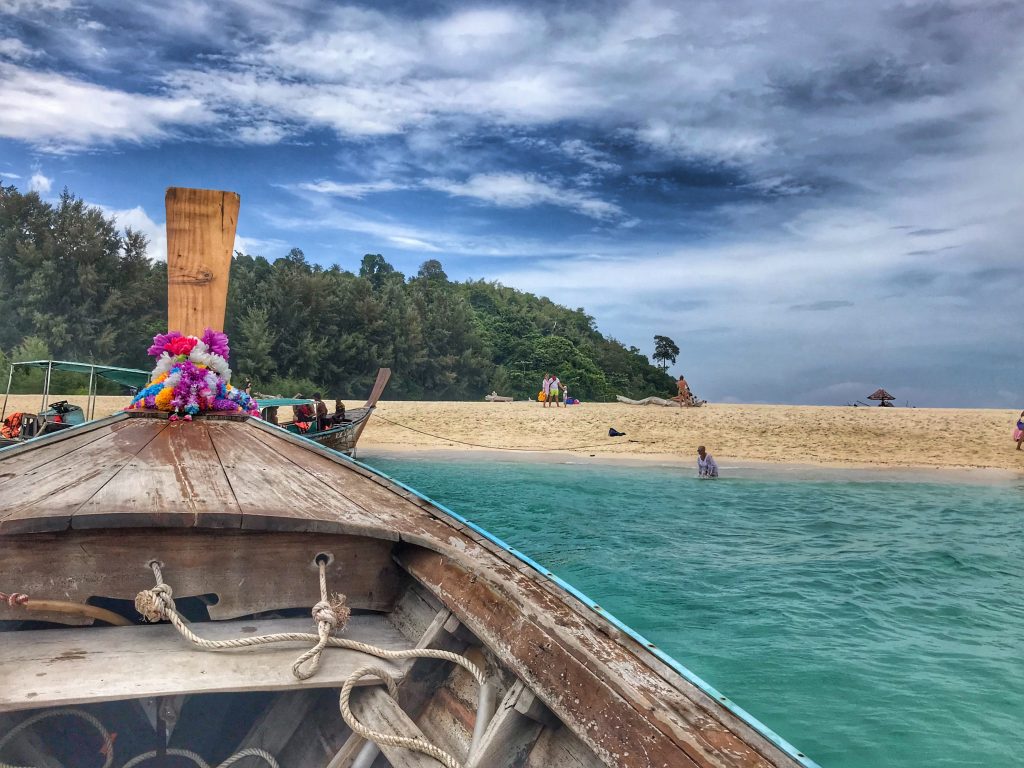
x: 870, y: 623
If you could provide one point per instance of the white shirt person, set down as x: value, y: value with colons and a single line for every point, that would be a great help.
x: 706, y: 466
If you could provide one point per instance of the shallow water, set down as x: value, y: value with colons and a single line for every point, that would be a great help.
x: 869, y: 623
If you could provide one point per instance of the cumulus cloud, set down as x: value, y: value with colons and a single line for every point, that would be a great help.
x: 33, y: 7
x: 12, y: 48
x: 137, y: 219
x: 40, y: 183
x: 53, y: 111
x: 727, y: 190
x: 512, y: 190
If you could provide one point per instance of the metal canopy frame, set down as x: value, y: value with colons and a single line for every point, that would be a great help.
x: 127, y: 377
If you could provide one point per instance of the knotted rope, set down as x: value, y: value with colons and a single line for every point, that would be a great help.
x: 158, y: 603
x: 331, y: 615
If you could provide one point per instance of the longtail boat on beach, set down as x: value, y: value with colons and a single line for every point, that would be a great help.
x: 17, y: 427
x: 343, y: 432
x: 159, y: 572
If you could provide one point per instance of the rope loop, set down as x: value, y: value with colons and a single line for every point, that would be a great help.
x: 416, y: 744
x: 331, y: 614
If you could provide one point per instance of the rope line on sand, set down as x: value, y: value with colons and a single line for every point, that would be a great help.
x: 498, y: 447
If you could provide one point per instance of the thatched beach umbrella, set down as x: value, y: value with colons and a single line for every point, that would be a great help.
x: 881, y: 394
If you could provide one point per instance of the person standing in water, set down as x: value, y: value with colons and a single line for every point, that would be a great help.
x: 706, y: 466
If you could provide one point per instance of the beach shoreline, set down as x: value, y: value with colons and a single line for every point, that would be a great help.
x: 731, y: 468
x: 743, y: 438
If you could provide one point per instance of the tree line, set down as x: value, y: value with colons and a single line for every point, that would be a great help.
x: 77, y: 287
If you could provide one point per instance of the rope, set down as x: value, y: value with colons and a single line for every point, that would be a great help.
x: 331, y: 615
x: 187, y: 753
x: 108, y: 743
x: 417, y: 744
x: 198, y: 760
x: 496, y: 447
x: 108, y: 740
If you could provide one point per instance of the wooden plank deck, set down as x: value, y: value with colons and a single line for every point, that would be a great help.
x: 73, y: 666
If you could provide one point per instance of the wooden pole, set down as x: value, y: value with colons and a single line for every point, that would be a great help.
x: 200, y: 239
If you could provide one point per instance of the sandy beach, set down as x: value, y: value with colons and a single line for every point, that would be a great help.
x: 836, y: 436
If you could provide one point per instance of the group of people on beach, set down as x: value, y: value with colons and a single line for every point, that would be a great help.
x: 553, y: 390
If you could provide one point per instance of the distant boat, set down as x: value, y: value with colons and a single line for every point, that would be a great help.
x: 341, y: 436
x: 61, y: 414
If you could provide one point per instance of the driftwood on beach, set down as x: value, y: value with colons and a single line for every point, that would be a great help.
x: 649, y: 401
x: 494, y: 397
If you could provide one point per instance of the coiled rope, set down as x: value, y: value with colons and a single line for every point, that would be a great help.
x: 198, y: 760
x: 108, y: 741
x: 331, y: 615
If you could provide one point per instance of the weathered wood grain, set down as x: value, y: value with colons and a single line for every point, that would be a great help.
x: 374, y: 708
x: 20, y: 460
x: 510, y: 735
x: 276, y: 493
x: 176, y: 480
x: 73, y: 666
x: 249, y: 572
x: 45, y: 498
x: 624, y: 713
x: 201, y: 227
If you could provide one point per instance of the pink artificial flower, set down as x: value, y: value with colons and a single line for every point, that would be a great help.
x: 217, y: 342
x: 161, y: 342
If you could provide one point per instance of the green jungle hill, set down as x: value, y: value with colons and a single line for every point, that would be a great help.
x: 76, y: 287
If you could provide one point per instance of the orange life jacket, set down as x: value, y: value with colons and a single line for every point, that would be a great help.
x: 11, y: 427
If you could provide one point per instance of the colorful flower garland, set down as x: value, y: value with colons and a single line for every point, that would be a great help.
x: 191, y: 377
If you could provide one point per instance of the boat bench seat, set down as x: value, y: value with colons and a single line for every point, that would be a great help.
x: 58, y: 667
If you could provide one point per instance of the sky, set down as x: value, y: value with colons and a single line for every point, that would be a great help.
x: 813, y: 199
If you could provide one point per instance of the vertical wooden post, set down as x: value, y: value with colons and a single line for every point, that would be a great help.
x: 200, y: 239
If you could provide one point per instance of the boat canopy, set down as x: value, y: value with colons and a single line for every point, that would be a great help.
x: 129, y: 377
x: 280, y: 402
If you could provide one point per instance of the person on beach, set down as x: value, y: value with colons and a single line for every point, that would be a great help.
x: 546, y: 389
x: 555, y: 389
x: 685, y: 396
x: 1018, y: 432
x: 706, y: 466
